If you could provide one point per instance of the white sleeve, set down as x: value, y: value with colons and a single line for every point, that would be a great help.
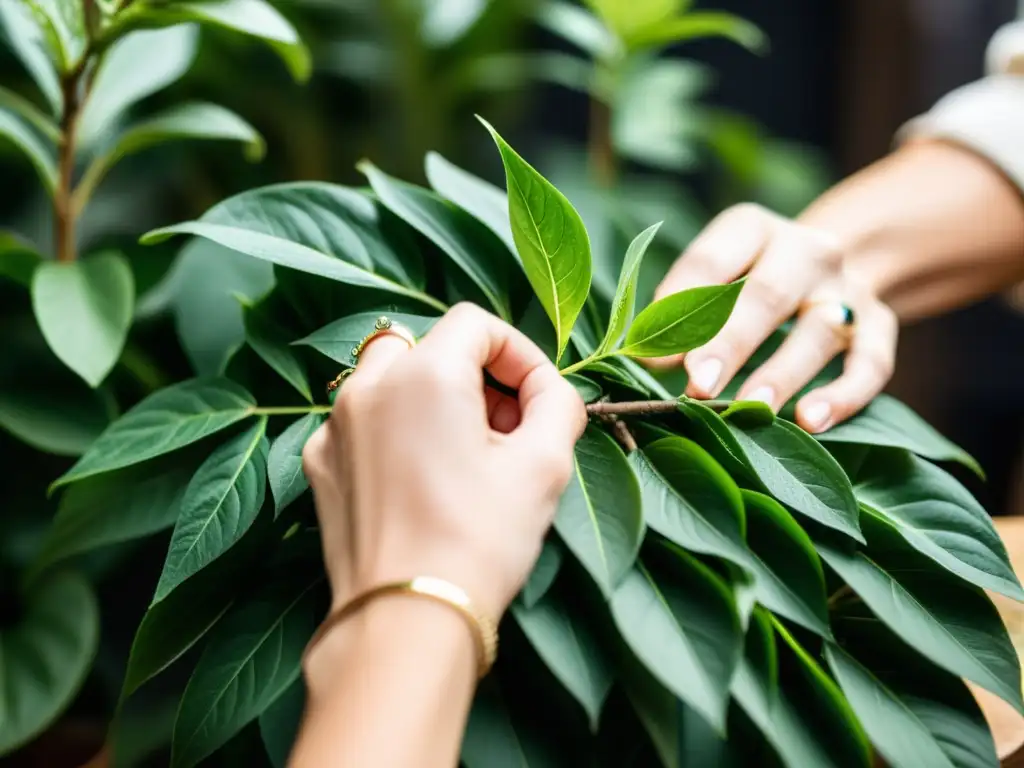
x: 987, y: 116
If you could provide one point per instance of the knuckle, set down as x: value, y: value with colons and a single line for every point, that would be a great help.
x: 465, y: 311
x: 772, y: 297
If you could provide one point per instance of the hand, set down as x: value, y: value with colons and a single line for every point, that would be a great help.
x: 789, y: 266
x: 420, y: 471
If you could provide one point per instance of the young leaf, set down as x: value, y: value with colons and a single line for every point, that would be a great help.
x: 681, y: 622
x: 681, y: 322
x: 470, y: 245
x: 47, y: 653
x: 571, y: 650
x: 25, y: 39
x: 338, y: 339
x: 798, y: 473
x: 623, y: 303
x: 888, y: 422
x: 484, y: 201
x: 284, y: 462
x: 936, y: 515
x: 693, y: 26
x: 43, y: 158
x: 945, y: 619
x: 251, y: 658
x: 220, y: 503
x: 135, y: 67
x: 551, y: 239
x: 599, y: 517
x: 543, y: 575
x: 84, y: 309
x: 165, y: 421
x: 63, y: 24
x: 270, y: 341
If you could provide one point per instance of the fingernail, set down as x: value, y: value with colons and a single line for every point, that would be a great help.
x: 764, y: 395
x: 707, y: 375
x: 817, y: 415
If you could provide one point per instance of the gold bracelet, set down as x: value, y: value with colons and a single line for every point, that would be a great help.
x: 485, y: 632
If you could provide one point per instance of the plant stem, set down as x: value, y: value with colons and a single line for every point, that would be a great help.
x: 601, y: 150
x: 582, y: 364
x: 648, y: 407
x: 298, y: 410
x: 837, y: 597
x: 63, y: 208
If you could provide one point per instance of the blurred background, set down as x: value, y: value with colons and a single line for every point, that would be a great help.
x: 678, y: 135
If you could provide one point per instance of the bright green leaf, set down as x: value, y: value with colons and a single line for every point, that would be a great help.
x: 681, y: 322
x: 574, y: 25
x: 45, y: 656
x: 544, y: 573
x: 43, y: 157
x: 84, y: 309
x: 26, y: 41
x: 271, y: 342
x: 623, y: 304
x: 599, y: 517
x: 220, y: 503
x: 551, y: 239
x: 338, y: 339
x: 627, y: 17
x: 284, y: 462
x: 694, y: 26
x: 571, y: 650
x: 165, y: 421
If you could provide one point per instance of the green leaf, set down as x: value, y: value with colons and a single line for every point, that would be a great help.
x: 184, y: 122
x: 136, y: 66
x: 599, y: 517
x: 544, y: 573
x: 486, y: 202
x: 284, y: 462
x: 681, y: 622
x: 571, y: 650
x: 220, y: 503
x: 749, y: 413
x: 27, y: 111
x: 25, y: 39
x: 63, y: 24
x: 714, y: 435
x: 251, y: 658
x: 756, y: 683
x: 280, y: 722
x: 255, y: 18
x: 888, y: 422
x: 574, y: 25
x: 317, y: 228
x: 945, y: 619
x: 694, y: 26
x: 45, y: 655
x: 681, y: 322
x: 84, y: 309
x: 800, y: 474
x: 935, y: 514
x: 588, y: 390
x: 271, y: 342
x: 623, y: 304
x: 626, y: 17
x: 165, y: 421
x: 338, y: 339
x: 468, y: 243
x: 551, y: 239
x: 24, y: 138
x: 18, y: 259
x: 120, y: 506
x: 492, y: 734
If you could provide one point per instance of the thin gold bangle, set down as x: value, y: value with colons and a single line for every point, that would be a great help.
x: 485, y: 632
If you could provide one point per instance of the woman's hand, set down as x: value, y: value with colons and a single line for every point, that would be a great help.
x: 420, y: 471
x: 789, y: 267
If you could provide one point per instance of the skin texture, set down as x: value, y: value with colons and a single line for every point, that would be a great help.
x: 422, y: 471
x: 929, y: 229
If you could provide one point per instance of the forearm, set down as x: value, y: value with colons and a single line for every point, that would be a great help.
x: 931, y: 228
x: 390, y: 688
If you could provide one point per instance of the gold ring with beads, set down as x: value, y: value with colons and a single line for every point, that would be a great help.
x: 384, y: 326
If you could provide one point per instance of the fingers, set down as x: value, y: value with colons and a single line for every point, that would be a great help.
x: 377, y: 356
x: 795, y: 261
x: 868, y: 368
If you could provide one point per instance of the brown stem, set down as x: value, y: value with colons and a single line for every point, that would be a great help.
x: 647, y: 407
x: 63, y: 206
x: 601, y: 149
x: 624, y: 436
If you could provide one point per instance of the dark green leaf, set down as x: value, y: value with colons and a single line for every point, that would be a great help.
x: 84, y: 309
x: 888, y: 422
x: 756, y: 683
x: 947, y: 620
x: 18, y: 259
x: 279, y: 723
x: 251, y: 658
x: 681, y: 322
x: 623, y: 304
x: 284, y: 462
x: 588, y: 390
x: 42, y: 156
x: 45, y: 656
x: 570, y: 648
x: 694, y: 26
x: 799, y: 473
x: 468, y: 243
x: 543, y: 575
x: 271, y: 342
x: 714, y: 435
x: 165, y: 421
x: 599, y: 517
x: 26, y: 41
x: 494, y: 740
x: 935, y: 514
x: 749, y: 413
x: 551, y: 239
x: 681, y: 622
x: 220, y: 503
x: 338, y: 340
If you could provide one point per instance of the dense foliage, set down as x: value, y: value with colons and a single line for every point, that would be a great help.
x: 720, y: 588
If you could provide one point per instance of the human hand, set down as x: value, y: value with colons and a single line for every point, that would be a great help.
x: 790, y: 266
x: 421, y: 471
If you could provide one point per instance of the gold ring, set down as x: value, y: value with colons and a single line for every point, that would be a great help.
x: 384, y: 326
x: 331, y: 387
x: 839, y: 316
